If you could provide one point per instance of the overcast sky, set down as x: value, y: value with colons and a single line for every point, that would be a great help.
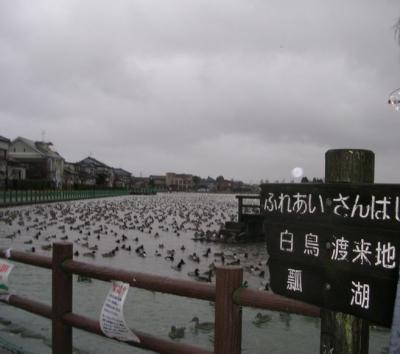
x: 248, y: 89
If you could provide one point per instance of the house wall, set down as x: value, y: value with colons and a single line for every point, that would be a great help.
x: 179, y: 182
x: 55, y: 169
x: 19, y: 150
x: 36, y: 169
x: 3, y: 163
x: 39, y: 166
x: 3, y: 148
x: 16, y: 173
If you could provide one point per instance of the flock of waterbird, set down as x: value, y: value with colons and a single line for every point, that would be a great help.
x: 178, y: 230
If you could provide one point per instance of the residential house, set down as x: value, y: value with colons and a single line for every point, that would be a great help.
x: 71, y: 175
x: 16, y: 172
x: 4, y: 145
x: 140, y: 182
x: 122, y: 178
x: 42, y: 163
x: 158, y: 182
x: 86, y: 174
x: 179, y: 182
x: 223, y: 185
x: 205, y: 185
x: 11, y: 171
x: 94, y: 172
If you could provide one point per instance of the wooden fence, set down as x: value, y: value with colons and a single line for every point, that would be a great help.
x: 228, y: 294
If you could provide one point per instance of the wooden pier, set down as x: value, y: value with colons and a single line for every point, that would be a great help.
x: 249, y: 226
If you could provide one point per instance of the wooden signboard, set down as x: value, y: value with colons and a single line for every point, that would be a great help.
x: 335, y: 245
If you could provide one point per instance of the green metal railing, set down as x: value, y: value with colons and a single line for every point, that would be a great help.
x: 20, y: 197
x: 143, y: 191
x: 33, y: 196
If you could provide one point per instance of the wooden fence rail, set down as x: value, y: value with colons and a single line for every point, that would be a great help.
x: 228, y: 295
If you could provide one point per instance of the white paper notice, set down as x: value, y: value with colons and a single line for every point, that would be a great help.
x: 112, y: 321
x: 5, y: 270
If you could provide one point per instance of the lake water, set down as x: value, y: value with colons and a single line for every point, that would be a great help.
x: 170, y: 220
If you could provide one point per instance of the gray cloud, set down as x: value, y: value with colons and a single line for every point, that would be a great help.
x: 247, y: 89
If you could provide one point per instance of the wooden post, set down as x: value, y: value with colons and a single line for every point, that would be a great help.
x: 61, y: 299
x: 228, y: 315
x: 343, y: 333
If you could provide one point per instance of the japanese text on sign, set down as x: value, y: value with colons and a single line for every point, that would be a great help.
x: 346, y: 206
x: 362, y: 252
x: 360, y: 292
x: 112, y: 320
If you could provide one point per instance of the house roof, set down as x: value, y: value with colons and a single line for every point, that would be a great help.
x: 120, y: 171
x: 29, y: 143
x: 2, y: 138
x: 92, y: 161
x: 40, y: 147
x: 157, y: 177
x: 180, y: 175
x: 45, y: 148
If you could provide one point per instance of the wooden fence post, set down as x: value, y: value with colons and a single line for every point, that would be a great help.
x: 228, y: 315
x: 342, y: 333
x: 61, y: 299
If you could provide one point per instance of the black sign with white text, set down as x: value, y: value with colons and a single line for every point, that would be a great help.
x: 335, y: 245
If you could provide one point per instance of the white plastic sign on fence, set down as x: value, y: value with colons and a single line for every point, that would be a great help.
x: 5, y: 270
x: 112, y: 322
